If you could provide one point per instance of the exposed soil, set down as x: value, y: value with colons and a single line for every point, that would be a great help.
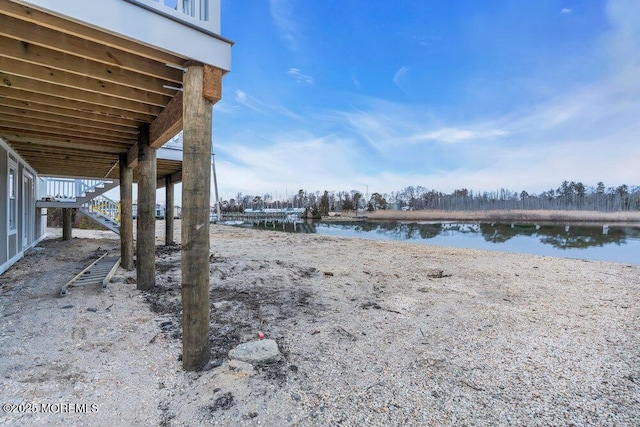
x: 247, y: 296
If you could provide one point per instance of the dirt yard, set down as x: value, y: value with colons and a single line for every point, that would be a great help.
x: 371, y: 333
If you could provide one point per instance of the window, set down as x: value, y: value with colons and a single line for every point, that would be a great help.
x: 13, y: 202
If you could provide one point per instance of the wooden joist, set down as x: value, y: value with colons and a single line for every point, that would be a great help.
x: 81, y: 82
x: 27, y: 125
x: 49, y: 58
x: 62, y: 101
x: 36, y: 17
x: 72, y: 97
x: 52, y: 88
x: 51, y: 119
x: 29, y: 32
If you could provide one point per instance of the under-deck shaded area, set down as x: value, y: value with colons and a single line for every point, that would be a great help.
x: 95, y: 89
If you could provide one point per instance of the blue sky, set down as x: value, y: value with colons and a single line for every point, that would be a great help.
x: 480, y: 94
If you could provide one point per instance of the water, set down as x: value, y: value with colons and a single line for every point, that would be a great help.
x: 593, y: 242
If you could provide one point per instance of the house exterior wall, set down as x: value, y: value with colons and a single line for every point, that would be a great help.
x: 4, y: 163
x: 19, y: 231
x: 13, y: 169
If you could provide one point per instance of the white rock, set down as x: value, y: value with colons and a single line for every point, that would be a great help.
x: 256, y: 352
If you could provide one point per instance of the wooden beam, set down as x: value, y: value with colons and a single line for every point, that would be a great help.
x: 63, y: 102
x: 168, y: 214
x: 52, y: 140
x: 55, y: 159
x: 175, y: 177
x: 42, y: 151
x: 97, y: 99
x: 32, y: 33
x: 82, y: 82
x: 126, y: 214
x: 132, y: 156
x: 168, y: 123
x: 52, y: 118
x: 53, y: 59
x: 195, y: 220
x: 89, y: 119
x: 26, y: 125
x: 58, y: 158
x: 72, y: 172
x: 146, y: 215
x: 44, y: 19
x: 66, y: 223
x: 212, y: 84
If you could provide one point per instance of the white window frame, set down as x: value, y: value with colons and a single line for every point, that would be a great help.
x: 12, y: 198
x: 28, y: 207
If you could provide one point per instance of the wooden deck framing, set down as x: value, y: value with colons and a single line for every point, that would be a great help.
x: 72, y: 97
x: 76, y: 101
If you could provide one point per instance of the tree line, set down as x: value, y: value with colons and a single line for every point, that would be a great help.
x: 568, y: 196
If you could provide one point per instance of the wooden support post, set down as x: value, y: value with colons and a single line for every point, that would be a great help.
x: 168, y: 214
x: 196, y: 187
x: 146, y: 215
x: 66, y: 223
x: 126, y: 214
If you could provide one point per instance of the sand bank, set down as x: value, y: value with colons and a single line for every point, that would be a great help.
x: 371, y: 332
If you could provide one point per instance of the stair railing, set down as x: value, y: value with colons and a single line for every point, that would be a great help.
x: 104, y: 206
x: 69, y: 189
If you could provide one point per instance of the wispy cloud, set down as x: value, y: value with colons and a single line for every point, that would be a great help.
x: 566, y: 10
x: 288, y: 161
x: 225, y: 106
x: 623, y: 42
x: 242, y: 98
x: 283, y: 18
x: 587, y: 131
x: 297, y: 75
x: 399, y: 76
x: 376, y: 146
x: 248, y: 101
x: 453, y: 135
x: 377, y: 129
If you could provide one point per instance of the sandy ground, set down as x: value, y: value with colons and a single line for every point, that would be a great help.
x: 371, y: 332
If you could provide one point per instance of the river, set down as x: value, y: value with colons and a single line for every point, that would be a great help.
x: 592, y: 242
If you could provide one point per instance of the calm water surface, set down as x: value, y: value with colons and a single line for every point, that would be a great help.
x: 593, y: 242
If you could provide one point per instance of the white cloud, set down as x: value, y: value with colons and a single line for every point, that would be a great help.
x: 566, y: 10
x: 399, y: 76
x: 587, y: 133
x: 299, y: 77
x: 244, y: 99
x: 623, y: 41
x: 378, y: 129
x: 453, y: 135
x: 281, y: 12
x: 288, y: 161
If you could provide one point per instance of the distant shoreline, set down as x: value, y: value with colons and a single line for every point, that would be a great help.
x: 550, y: 216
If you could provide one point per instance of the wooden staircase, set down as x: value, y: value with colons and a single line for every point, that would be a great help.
x: 100, y: 218
x: 87, y: 196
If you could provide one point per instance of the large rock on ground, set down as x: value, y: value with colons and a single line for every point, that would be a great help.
x: 256, y: 352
